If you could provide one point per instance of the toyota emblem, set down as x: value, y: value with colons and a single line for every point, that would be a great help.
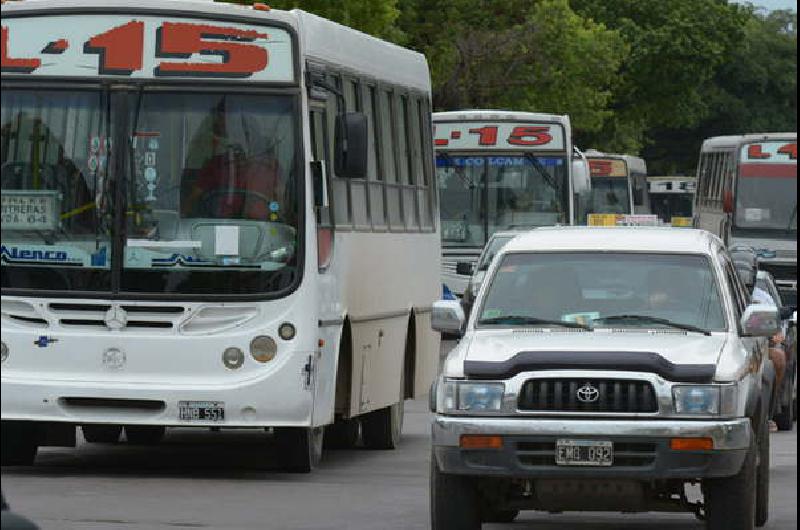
x: 587, y: 393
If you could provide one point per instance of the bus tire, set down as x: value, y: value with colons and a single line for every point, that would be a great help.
x: 381, y: 429
x: 102, y: 434
x: 18, y: 443
x: 454, y: 501
x: 300, y: 447
x: 343, y: 434
x: 144, y: 434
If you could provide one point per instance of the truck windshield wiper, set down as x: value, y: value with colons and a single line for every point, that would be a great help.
x: 654, y: 320
x: 521, y: 320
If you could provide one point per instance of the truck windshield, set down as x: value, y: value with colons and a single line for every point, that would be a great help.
x: 208, y: 196
x: 657, y: 290
x: 480, y: 195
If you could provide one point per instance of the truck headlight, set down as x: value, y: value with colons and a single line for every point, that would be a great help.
x: 705, y: 400
x: 470, y: 397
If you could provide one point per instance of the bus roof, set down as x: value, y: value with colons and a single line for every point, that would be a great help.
x: 321, y: 40
x: 499, y: 114
x: 734, y: 141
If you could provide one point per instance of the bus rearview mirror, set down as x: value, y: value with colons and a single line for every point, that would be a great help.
x: 351, y: 145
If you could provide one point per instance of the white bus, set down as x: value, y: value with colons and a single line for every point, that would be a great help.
x: 501, y: 170
x: 618, y: 186
x: 747, y: 195
x: 212, y: 216
x: 672, y: 199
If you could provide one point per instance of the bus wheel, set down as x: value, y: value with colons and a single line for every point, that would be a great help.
x: 18, y: 443
x: 102, y: 434
x: 144, y: 434
x: 343, y: 434
x: 381, y: 429
x: 301, y: 447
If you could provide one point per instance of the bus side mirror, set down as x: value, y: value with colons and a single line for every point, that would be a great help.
x: 464, y: 268
x: 580, y: 176
x: 351, y: 144
x: 727, y: 201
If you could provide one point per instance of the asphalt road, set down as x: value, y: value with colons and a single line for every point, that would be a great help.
x: 231, y: 480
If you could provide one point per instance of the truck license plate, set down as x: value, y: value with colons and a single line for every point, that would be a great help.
x: 584, y: 453
x: 201, y: 411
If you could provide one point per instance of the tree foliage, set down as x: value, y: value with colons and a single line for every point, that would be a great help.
x: 637, y: 76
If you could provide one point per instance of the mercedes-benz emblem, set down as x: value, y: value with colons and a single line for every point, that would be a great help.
x: 587, y: 393
x: 116, y: 318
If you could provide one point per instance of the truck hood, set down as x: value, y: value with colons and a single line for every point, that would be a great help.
x: 501, y: 345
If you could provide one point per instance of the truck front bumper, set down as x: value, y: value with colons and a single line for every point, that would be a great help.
x: 642, y: 449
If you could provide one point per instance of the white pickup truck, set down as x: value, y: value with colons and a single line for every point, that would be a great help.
x: 605, y: 369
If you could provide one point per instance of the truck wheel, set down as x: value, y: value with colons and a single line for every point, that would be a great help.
x: 381, y: 429
x: 762, y: 477
x: 730, y: 502
x: 301, y: 447
x: 343, y: 434
x: 144, y: 434
x: 102, y: 434
x: 454, y: 501
x: 18, y: 443
x: 499, y: 516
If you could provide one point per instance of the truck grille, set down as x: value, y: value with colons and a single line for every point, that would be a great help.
x: 612, y: 395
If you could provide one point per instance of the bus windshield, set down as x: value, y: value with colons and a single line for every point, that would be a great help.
x: 610, y: 195
x: 207, y: 198
x: 480, y: 195
x: 766, y: 192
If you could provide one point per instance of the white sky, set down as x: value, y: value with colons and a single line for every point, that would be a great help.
x: 772, y: 4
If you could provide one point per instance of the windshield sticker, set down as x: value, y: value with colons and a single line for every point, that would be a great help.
x: 30, y: 209
x: 491, y: 313
x: 581, y: 318
x: 756, y: 214
x: 45, y: 254
x: 274, y: 206
x: 145, y: 47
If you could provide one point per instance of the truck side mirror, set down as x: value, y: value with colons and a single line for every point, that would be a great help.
x: 448, y: 317
x: 760, y: 320
x: 351, y: 145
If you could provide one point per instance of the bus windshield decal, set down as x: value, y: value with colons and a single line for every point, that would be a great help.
x: 143, y: 47
x: 778, y: 152
x: 502, y: 135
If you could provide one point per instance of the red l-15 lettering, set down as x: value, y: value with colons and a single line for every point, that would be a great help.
x: 239, y: 58
x: 10, y: 64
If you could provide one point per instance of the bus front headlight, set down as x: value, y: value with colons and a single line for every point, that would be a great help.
x: 233, y: 358
x: 263, y: 348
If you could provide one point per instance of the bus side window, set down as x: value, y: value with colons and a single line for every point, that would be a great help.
x: 426, y: 190
x: 376, y: 162
x: 359, y: 202
x: 319, y: 151
x: 340, y: 188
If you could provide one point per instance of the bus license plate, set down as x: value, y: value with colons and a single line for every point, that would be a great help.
x: 584, y: 453
x: 201, y: 411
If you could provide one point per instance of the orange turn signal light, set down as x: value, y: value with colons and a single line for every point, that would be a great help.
x: 476, y: 441
x: 691, y: 444
x: 258, y: 6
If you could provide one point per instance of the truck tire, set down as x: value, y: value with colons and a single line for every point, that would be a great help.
x: 18, y: 443
x: 300, y: 447
x: 102, y: 434
x: 144, y: 434
x: 730, y: 502
x: 762, y: 477
x: 454, y: 501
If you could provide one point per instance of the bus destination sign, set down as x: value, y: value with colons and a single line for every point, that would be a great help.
x: 141, y: 47
x: 607, y: 167
x: 509, y: 136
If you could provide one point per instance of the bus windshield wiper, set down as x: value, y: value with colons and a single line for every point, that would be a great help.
x: 534, y: 160
x: 521, y: 320
x: 654, y: 320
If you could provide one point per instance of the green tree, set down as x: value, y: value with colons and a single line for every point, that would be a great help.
x: 516, y: 54
x: 677, y: 47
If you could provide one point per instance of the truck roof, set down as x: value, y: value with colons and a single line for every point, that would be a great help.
x: 615, y: 239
